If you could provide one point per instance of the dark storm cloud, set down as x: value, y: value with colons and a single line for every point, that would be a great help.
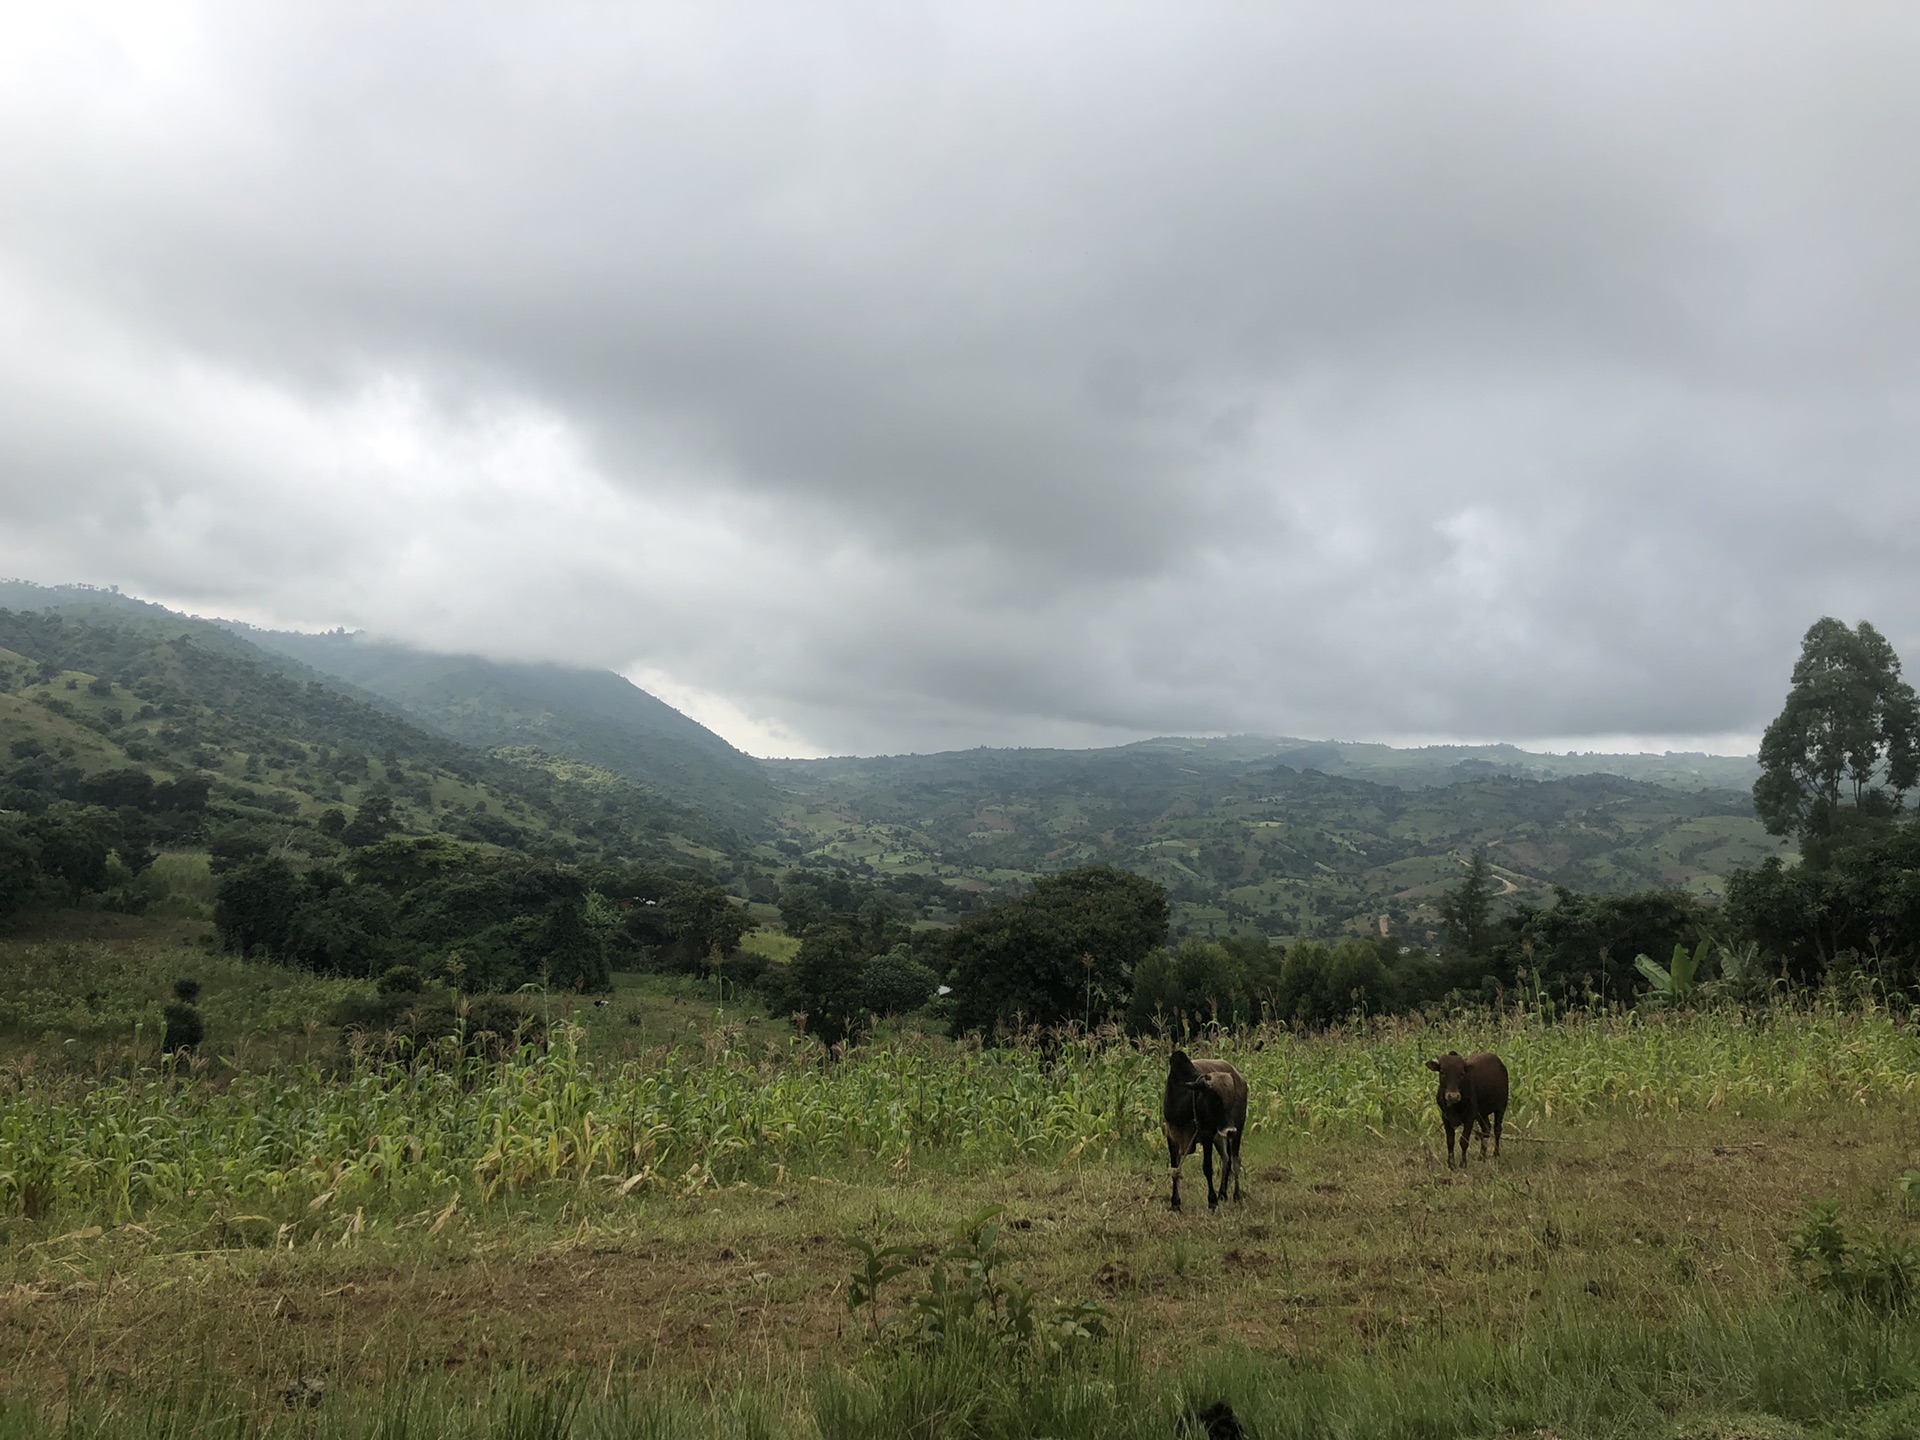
x: 884, y: 377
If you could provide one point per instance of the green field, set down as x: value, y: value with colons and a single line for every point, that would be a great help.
x: 645, y: 1229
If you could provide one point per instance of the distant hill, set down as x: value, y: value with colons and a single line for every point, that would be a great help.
x: 1417, y: 768
x: 593, y: 716
x: 94, y: 687
x: 1282, y: 836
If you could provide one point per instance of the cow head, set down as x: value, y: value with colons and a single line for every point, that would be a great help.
x: 1452, y: 1069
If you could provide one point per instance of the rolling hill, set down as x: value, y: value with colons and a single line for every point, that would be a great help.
x: 1247, y: 835
x: 88, y: 691
x: 592, y: 716
x: 1277, y: 835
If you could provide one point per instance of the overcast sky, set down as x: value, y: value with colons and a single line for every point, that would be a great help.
x: 885, y: 377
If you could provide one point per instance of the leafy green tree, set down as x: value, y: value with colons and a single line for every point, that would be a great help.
x: 1848, y: 738
x: 254, y: 905
x: 19, y: 869
x: 1862, y: 907
x: 1322, y: 985
x: 340, y: 929
x: 1584, y: 941
x: 702, y: 918
x: 371, y: 823
x: 895, y: 983
x: 826, y: 982
x: 1066, y: 949
x: 1466, y: 911
x: 1202, y: 982
x: 74, y: 845
x: 114, y: 788
x: 573, y: 952
x: 408, y: 863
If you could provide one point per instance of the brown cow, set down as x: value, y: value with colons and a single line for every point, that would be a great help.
x: 1472, y: 1092
x: 1205, y: 1104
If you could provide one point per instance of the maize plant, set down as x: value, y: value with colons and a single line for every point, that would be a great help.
x: 389, y: 1140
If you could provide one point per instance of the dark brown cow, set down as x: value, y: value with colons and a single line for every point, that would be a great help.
x: 1206, y: 1105
x: 1473, y: 1092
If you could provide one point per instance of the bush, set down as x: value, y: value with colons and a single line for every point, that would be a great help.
x: 972, y: 1308
x: 1203, y: 982
x: 1874, y: 1270
x: 400, y: 980
x: 422, y: 1027
x: 1321, y: 986
x: 185, y: 1030
x: 894, y: 983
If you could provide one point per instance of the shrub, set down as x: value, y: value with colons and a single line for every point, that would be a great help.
x: 1063, y: 952
x: 969, y: 1305
x: 1874, y: 1269
x: 184, y: 1028
x: 1321, y: 986
x: 400, y: 980
x: 894, y: 983
x: 418, y: 1027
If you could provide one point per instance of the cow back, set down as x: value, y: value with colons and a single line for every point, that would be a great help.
x: 1487, y: 1074
x: 1231, y: 1086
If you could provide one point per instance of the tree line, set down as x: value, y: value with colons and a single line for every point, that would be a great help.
x: 1091, y: 944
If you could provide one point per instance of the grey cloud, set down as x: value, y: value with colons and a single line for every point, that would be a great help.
x: 936, y: 375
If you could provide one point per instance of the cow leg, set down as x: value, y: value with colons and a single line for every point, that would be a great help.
x: 1173, y: 1167
x: 1484, y: 1123
x: 1448, y: 1122
x: 1233, y: 1162
x: 1499, y: 1118
x: 1206, y: 1165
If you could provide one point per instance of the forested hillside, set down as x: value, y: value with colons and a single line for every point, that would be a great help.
x: 593, y: 716
x: 1247, y: 838
x: 274, y: 748
x: 1249, y: 834
x: 340, y: 837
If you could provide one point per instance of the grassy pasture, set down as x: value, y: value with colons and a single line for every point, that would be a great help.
x: 630, y: 1237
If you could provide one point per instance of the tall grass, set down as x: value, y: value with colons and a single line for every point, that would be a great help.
x: 1797, y: 1368
x: 298, y: 1142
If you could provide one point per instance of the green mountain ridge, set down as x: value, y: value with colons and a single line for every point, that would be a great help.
x: 1280, y: 835
x: 1406, y: 767
x: 92, y: 689
x: 593, y: 716
x: 1248, y: 837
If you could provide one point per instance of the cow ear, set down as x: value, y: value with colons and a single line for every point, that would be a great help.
x: 1433, y: 1064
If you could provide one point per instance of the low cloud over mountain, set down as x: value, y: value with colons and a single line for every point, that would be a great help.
x: 890, y: 377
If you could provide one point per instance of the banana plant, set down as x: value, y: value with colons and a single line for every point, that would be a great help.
x: 1672, y: 984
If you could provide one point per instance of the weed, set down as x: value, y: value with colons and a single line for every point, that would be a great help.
x: 1873, y: 1268
x: 969, y: 1303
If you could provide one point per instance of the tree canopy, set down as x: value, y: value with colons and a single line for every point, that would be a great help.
x: 1848, y: 737
x: 1064, y: 951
